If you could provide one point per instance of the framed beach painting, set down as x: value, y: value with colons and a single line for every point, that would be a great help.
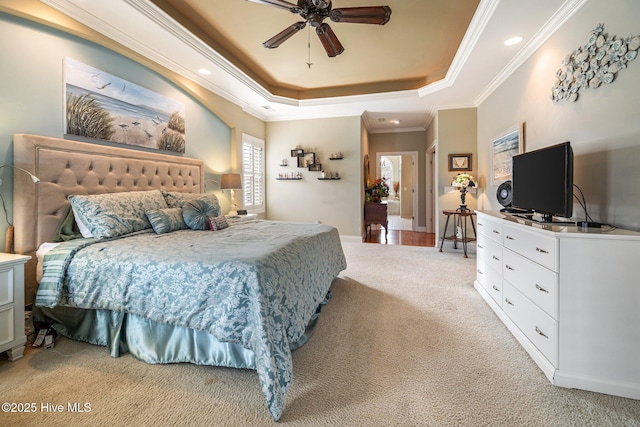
x: 102, y: 106
x: 503, y: 147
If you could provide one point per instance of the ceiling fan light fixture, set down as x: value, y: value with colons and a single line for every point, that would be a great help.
x: 315, y: 11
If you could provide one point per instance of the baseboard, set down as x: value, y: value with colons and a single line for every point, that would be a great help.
x: 354, y: 239
x: 598, y: 385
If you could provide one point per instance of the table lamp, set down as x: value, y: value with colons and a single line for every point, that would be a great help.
x: 232, y: 182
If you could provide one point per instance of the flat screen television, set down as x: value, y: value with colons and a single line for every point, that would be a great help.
x: 542, y: 181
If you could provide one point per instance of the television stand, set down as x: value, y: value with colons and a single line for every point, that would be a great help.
x: 546, y: 287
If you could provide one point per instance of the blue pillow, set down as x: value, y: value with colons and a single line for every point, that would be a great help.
x: 196, y: 213
x: 166, y: 220
x: 115, y: 214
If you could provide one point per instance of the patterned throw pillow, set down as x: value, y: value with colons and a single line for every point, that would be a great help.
x: 176, y: 199
x: 116, y: 214
x: 166, y: 220
x: 218, y: 222
x: 196, y: 213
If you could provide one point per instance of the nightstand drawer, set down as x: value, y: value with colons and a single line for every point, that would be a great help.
x: 6, y: 325
x: 6, y: 286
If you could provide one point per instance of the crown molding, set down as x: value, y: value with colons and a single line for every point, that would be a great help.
x: 568, y: 9
x: 481, y: 18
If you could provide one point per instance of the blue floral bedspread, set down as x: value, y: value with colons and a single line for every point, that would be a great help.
x: 256, y: 284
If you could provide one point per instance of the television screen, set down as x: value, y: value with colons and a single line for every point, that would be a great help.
x: 542, y: 181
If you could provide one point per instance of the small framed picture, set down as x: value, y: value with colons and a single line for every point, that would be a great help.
x: 459, y: 162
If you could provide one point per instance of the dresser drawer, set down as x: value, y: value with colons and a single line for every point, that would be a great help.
x: 538, y: 326
x: 6, y: 325
x: 490, y: 228
x: 489, y: 251
x: 491, y: 281
x: 537, y: 283
x: 536, y: 247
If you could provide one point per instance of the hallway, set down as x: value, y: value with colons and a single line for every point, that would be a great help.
x: 401, y: 237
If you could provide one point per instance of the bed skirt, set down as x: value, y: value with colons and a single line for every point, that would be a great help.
x: 149, y: 341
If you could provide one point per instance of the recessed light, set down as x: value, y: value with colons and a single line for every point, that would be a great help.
x: 395, y: 122
x: 204, y: 71
x: 513, y: 40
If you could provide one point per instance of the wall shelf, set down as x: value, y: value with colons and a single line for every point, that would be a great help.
x: 288, y: 179
x: 328, y: 179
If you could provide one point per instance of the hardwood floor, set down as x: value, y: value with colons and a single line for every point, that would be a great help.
x: 401, y: 237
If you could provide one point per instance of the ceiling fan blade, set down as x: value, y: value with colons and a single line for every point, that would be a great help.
x: 284, y: 35
x: 282, y: 4
x: 362, y: 15
x: 329, y: 40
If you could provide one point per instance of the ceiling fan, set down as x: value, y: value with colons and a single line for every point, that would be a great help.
x: 316, y: 11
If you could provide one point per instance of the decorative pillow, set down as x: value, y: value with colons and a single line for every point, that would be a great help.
x: 82, y: 227
x: 67, y: 229
x: 115, y: 214
x: 218, y: 222
x: 166, y: 220
x: 175, y: 199
x: 196, y: 213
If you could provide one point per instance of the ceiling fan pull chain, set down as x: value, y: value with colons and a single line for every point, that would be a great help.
x: 309, y: 63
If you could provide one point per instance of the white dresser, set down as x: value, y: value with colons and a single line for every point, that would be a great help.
x: 12, y: 338
x: 570, y: 297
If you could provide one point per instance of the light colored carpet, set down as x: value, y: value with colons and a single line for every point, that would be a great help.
x: 405, y: 341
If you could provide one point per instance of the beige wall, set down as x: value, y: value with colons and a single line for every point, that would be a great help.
x: 602, y: 125
x: 402, y: 142
x: 456, y: 134
x: 338, y: 203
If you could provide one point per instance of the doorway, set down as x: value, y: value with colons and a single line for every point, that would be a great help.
x: 400, y: 171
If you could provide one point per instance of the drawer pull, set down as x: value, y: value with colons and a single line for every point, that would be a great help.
x: 480, y: 246
x: 508, y: 267
x: 496, y: 231
x: 508, y: 301
x: 509, y: 237
x: 542, y: 251
x: 496, y: 258
x: 479, y: 272
x: 539, y: 332
x: 495, y: 288
x: 541, y: 289
x: 480, y: 224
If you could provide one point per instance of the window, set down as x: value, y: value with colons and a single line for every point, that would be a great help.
x: 253, y: 173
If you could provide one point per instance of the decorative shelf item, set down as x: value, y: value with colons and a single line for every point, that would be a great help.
x: 284, y: 162
x: 290, y: 175
x: 336, y: 156
x: 289, y: 179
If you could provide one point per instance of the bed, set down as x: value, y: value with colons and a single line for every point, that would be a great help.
x: 242, y: 296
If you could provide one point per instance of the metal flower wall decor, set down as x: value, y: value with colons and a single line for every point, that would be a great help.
x: 597, y: 62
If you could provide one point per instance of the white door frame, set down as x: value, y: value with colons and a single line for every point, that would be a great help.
x: 414, y: 159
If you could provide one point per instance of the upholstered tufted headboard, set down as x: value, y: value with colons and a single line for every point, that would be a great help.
x: 67, y: 167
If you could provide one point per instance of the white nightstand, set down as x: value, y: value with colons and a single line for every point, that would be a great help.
x: 12, y: 338
x: 237, y: 219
